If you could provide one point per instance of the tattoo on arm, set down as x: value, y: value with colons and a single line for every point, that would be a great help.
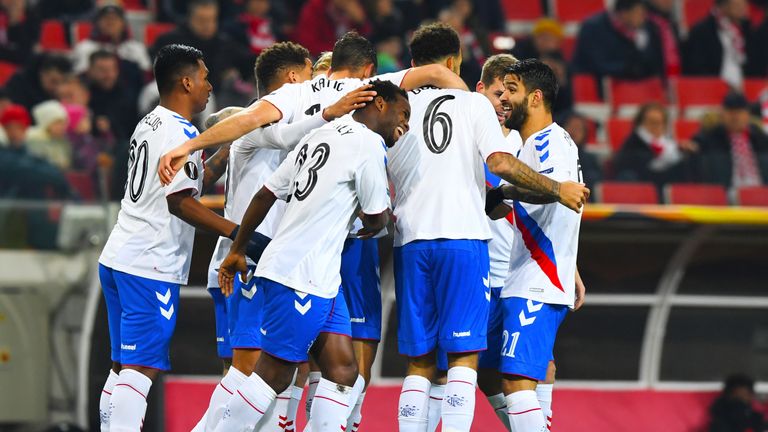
x: 521, y: 175
x: 215, y: 167
x: 512, y: 192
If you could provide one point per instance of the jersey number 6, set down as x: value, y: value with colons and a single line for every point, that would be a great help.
x: 431, y: 118
x: 322, y: 151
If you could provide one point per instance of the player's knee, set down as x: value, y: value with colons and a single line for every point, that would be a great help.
x: 344, y: 373
x: 147, y: 372
x: 516, y: 383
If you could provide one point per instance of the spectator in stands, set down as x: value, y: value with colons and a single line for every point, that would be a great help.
x: 89, y: 151
x: 661, y: 13
x: 734, y: 410
x: 111, y: 33
x: 74, y: 91
x: 546, y: 38
x: 177, y: 11
x: 474, y: 38
x: 649, y: 154
x: 321, y: 22
x: 65, y: 10
x: 564, y: 100
x: 759, y: 52
x: 19, y: 31
x: 253, y: 28
x: 48, y: 138
x: 201, y: 30
x: 734, y: 153
x: 40, y: 81
x: 578, y: 127
x: 23, y: 175
x: 719, y: 45
x: 620, y: 43
x: 109, y: 98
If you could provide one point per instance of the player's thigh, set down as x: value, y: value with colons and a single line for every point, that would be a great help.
x: 223, y: 347
x: 362, y: 290
x: 148, y: 320
x: 416, y: 308
x: 114, y: 310
x: 460, y: 274
x: 291, y: 320
x: 336, y: 357
x: 528, y: 337
x: 246, y: 309
x: 490, y: 358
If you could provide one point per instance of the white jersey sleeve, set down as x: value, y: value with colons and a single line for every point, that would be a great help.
x: 286, y: 100
x: 487, y: 133
x: 371, y: 182
x: 280, y: 181
x: 193, y: 170
x: 395, y: 78
x: 281, y: 136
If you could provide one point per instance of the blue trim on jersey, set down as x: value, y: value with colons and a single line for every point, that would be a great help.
x: 541, y: 136
x: 189, y: 133
x: 182, y: 120
x: 491, y: 178
x: 542, y: 241
x: 543, y: 145
x: 544, y: 157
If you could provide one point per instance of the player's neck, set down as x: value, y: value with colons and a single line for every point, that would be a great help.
x: 346, y: 73
x: 178, y: 105
x: 535, y: 123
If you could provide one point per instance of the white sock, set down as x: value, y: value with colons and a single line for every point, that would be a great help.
x: 313, y: 379
x: 413, y: 407
x: 106, y: 394
x: 330, y: 406
x: 544, y: 395
x: 276, y: 417
x: 525, y: 412
x: 129, y: 401
x: 458, y: 407
x: 228, y: 385
x: 357, y: 389
x: 436, y: 394
x: 247, y: 406
x: 499, y: 404
x: 293, y: 407
x: 357, y: 414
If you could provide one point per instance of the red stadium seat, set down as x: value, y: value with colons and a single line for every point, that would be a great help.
x: 695, y: 11
x: 696, y: 194
x: 756, y: 196
x: 754, y: 87
x: 627, y: 193
x: 568, y: 47
x: 585, y: 89
x: 698, y: 92
x: 686, y: 129
x: 153, y: 30
x: 81, y: 30
x: 575, y: 10
x: 756, y: 14
x: 522, y: 10
x: 6, y: 72
x: 82, y: 183
x: 634, y: 92
x: 618, y: 131
x: 53, y: 36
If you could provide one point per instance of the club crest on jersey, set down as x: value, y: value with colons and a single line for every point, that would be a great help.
x: 190, y: 169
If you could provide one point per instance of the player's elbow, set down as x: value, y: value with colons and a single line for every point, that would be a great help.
x: 175, y: 202
x: 497, y: 163
x: 376, y: 222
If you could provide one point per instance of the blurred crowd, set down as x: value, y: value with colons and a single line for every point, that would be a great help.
x: 78, y: 76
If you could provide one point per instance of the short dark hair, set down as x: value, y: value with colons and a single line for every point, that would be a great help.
x: 100, y: 55
x: 495, y: 67
x: 387, y: 90
x: 738, y: 380
x: 625, y: 5
x: 55, y: 62
x: 433, y: 42
x: 276, y: 58
x: 536, y: 75
x: 646, y: 108
x: 353, y: 51
x: 194, y: 4
x: 172, y: 62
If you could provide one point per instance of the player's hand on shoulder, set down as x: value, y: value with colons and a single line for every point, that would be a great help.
x: 170, y: 164
x: 232, y: 264
x: 221, y: 115
x: 574, y: 195
x: 353, y: 100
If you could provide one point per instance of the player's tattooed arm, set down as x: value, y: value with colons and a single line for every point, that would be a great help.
x: 512, y: 192
x: 215, y: 167
x: 570, y: 194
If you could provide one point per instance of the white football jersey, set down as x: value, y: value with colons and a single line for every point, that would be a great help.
x: 542, y: 266
x: 502, y: 234
x: 149, y: 241
x: 332, y: 171
x: 437, y: 167
x: 252, y: 160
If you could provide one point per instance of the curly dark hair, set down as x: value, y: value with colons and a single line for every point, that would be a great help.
x: 277, y: 58
x: 433, y: 42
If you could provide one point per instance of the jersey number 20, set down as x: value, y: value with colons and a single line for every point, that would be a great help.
x: 432, y: 118
x: 322, y: 151
x: 137, y: 169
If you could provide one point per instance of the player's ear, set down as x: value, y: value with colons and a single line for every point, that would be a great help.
x: 292, y: 76
x: 186, y: 82
x: 369, y: 71
x: 379, y: 101
x: 479, y: 87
